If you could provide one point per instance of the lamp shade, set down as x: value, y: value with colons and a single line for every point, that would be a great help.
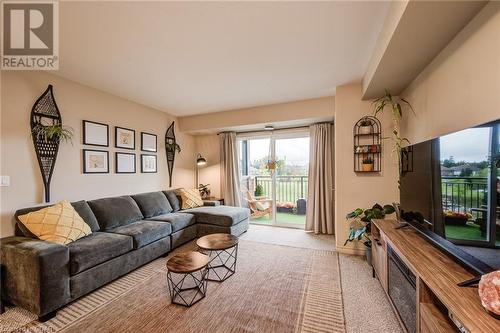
x: 200, y: 160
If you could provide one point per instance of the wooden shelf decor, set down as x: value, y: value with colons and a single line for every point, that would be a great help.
x: 45, y: 113
x: 367, y: 134
x: 171, y: 147
x: 441, y: 304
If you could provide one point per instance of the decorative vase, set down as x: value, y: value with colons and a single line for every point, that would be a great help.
x: 365, y: 130
x: 367, y: 166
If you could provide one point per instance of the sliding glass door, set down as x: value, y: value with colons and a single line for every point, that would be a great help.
x: 274, y: 177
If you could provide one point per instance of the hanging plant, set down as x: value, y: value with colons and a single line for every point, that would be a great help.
x: 271, y: 165
x: 47, y: 133
x: 397, y: 106
x: 55, y: 133
x: 172, y: 147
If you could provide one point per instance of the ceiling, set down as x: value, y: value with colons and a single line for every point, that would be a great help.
x: 188, y: 58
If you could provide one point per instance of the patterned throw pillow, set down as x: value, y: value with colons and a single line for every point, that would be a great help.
x: 190, y: 198
x: 59, y: 223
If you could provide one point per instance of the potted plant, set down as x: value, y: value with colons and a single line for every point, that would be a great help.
x: 285, y: 207
x: 367, y: 163
x: 204, y: 190
x: 365, y: 126
x: 55, y: 133
x: 360, y: 225
x: 259, y: 190
x: 271, y: 165
x: 456, y: 218
x: 397, y: 106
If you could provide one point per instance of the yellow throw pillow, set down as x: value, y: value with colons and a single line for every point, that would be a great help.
x: 59, y: 223
x: 190, y: 198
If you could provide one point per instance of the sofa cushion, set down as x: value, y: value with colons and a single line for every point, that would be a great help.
x: 59, y: 223
x: 173, y: 199
x: 95, y: 249
x: 116, y: 211
x: 144, y: 232
x: 177, y: 220
x: 81, y: 207
x: 225, y: 216
x: 152, y: 203
x: 190, y: 198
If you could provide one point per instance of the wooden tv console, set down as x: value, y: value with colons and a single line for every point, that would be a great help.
x: 437, y: 293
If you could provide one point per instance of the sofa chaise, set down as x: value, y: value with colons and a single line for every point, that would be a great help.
x: 127, y: 232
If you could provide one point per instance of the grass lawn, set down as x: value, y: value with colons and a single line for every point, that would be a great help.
x: 469, y: 231
x: 282, y: 218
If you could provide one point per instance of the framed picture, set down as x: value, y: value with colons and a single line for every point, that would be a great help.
x: 148, y: 163
x: 124, y: 163
x: 95, y: 134
x: 124, y: 138
x: 148, y: 142
x: 95, y: 161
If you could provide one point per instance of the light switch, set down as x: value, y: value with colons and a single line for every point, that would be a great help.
x: 5, y: 181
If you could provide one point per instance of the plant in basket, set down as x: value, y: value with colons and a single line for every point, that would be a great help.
x: 456, y: 218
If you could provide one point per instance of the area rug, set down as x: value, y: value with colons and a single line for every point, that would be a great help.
x: 275, y: 289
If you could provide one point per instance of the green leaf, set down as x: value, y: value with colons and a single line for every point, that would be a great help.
x: 389, y: 209
x: 377, y: 214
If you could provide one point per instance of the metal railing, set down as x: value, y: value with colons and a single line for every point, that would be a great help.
x: 460, y: 194
x: 288, y: 188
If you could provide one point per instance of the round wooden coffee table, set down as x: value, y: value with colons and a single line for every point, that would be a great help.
x: 186, y: 277
x: 223, y: 252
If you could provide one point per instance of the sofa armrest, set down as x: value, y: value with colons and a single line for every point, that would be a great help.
x: 35, y: 274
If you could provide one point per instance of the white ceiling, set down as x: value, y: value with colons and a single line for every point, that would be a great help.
x: 188, y: 58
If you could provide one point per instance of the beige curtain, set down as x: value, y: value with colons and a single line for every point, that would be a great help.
x: 229, y: 169
x: 319, y: 217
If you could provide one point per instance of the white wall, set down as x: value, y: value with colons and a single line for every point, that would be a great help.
x: 461, y: 86
x: 208, y: 146
x: 353, y: 190
x: 76, y: 102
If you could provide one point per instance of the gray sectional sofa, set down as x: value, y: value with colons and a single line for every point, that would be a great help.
x: 127, y: 232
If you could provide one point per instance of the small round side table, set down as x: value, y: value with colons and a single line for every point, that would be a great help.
x: 223, y: 252
x: 186, y: 277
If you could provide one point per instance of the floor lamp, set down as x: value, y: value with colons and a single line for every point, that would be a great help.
x: 200, y: 161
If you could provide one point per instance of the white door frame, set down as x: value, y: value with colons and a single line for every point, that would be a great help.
x: 273, y: 136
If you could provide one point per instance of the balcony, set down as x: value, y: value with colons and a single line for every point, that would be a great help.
x: 291, y: 194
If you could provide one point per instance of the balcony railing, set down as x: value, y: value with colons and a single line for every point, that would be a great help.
x: 460, y: 194
x: 288, y: 188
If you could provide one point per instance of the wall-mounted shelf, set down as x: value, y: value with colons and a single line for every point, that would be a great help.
x: 367, y: 145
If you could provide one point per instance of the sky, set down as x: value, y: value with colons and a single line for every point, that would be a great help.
x: 470, y: 145
x: 295, y: 151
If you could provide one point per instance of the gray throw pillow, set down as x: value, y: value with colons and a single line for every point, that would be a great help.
x: 173, y: 199
x: 116, y: 211
x: 152, y: 204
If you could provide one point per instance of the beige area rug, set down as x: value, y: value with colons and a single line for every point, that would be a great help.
x: 275, y: 289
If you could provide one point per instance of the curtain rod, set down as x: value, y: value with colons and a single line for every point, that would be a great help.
x: 278, y: 129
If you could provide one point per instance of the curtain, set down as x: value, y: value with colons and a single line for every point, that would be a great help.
x: 319, y: 216
x: 229, y: 169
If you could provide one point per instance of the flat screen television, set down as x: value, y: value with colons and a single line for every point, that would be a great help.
x: 450, y: 192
